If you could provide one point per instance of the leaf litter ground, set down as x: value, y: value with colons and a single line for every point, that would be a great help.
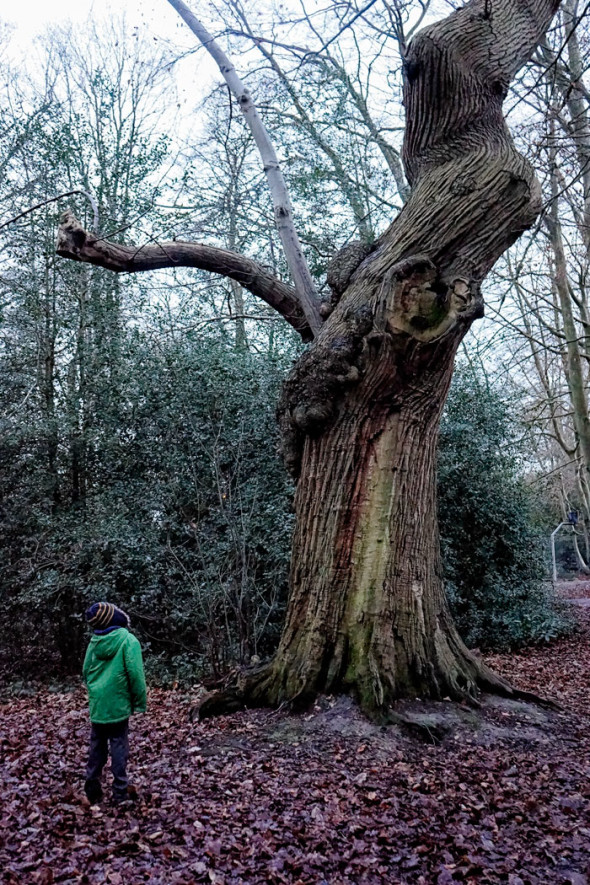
x: 496, y: 796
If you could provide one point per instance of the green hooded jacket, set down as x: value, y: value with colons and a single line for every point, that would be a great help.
x: 113, y: 673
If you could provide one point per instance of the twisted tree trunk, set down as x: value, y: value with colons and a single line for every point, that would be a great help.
x: 367, y: 612
x: 359, y: 414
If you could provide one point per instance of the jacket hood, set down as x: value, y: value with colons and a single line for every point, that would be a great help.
x: 106, y: 647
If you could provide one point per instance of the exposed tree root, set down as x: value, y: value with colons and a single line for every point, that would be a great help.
x: 251, y: 689
x: 428, y: 732
x: 218, y: 703
x: 258, y: 688
x: 504, y: 689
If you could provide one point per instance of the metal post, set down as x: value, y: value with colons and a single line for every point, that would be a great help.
x: 553, y: 551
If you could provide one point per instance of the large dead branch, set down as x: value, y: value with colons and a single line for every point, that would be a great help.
x: 283, y: 211
x: 76, y: 243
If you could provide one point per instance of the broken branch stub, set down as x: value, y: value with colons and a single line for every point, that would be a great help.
x: 80, y: 245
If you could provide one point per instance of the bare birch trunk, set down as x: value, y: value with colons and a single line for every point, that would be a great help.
x: 304, y: 285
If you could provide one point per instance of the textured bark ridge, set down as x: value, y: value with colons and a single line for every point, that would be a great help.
x: 472, y: 195
x: 359, y: 415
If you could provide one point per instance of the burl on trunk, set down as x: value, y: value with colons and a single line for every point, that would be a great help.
x: 359, y: 415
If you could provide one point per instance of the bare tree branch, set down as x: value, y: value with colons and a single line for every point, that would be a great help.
x: 88, y: 196
x: 329, y: 62
x: 76, y: 243
x: 348, y: 24
x: 304, y: 285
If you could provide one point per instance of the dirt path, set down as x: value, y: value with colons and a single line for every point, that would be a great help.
x: 322, y: 798
x: 575, y: 592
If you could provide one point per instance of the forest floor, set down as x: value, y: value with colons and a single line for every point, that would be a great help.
x: 503, y: 796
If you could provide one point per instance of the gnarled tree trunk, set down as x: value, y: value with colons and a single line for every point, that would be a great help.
x: 359, y: 414
x: 367, y: 612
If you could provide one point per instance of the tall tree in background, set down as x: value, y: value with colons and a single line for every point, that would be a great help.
x: 544, y: 279
x: 61, y: 341
x: 359, y: 414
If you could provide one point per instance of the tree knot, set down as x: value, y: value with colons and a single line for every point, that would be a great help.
x: 313, y: 392
x: 71, y: 236
x: 343, y: 265
x: 425, y: 306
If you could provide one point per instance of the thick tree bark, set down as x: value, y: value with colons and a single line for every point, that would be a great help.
x: 367, y: 612
x: 359, y: 414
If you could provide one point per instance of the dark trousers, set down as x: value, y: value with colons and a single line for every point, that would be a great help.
x: 114, y: 736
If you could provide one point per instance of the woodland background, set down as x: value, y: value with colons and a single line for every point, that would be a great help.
x: 138, y: 448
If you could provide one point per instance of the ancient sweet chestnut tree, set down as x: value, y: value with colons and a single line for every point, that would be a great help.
x: 359, y: 414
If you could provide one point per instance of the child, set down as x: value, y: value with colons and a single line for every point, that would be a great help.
x: 113, y: 673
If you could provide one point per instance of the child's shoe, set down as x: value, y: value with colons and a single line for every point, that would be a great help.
x: 93, y: 791
x: 125, y: 798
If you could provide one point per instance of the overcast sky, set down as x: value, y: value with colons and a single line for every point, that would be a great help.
x: 30, y: 18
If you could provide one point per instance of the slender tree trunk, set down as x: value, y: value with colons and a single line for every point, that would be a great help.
x: 578, y: 107
x: 574, y: 372
x: 304, y: 285
x: 579, y: 558
x: 78, y: 394
x: 47, y: 384
x: 237, y: 294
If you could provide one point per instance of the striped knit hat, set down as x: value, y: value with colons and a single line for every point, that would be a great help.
x: 104, y: 617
